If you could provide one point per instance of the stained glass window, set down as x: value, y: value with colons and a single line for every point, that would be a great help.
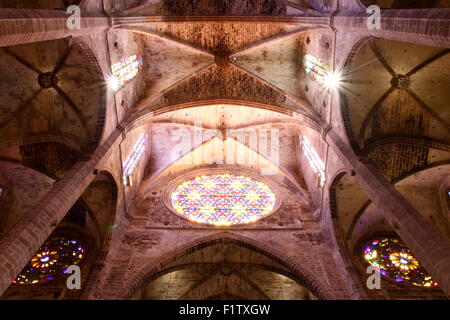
x: 134, y: 157
x: 315, y: 67
x: 320, y: 72
x: 223, y: 200
x: 51, y: 261
x: 314, y: 160
x: 395, y: 261
x: 124, y: 71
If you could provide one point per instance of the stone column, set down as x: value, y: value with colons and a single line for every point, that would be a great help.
x: 422, y: 26
x: 94, y: 282
x: 101, y: 269
x: 25, y: 26
x: 24, y: 239
x: 424, y: 240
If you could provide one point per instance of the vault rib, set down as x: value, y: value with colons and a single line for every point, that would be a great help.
x: 22, y: 61
x: 63, y: 58
x: 380, y: 57
x: 149, y: 100
x: 20, y: 109
x: 428, y: 62
x: 74, y: 107
x: 167, y: 38
x: 427, y: 108
x: 375, y: 107
x: 301, y: 102
x: 266, y: 41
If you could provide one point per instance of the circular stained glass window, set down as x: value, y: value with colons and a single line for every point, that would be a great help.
x: 223, y: 199
x: 396, y: 262
x: 50, y: 262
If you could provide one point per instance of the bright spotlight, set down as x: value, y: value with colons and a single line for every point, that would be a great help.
x: 113, y: 83
x: 332, y: 80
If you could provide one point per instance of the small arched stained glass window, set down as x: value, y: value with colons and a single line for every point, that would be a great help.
x: 134, y: 158
x: 124, y: 71
x: 223, y: 200
x: 51, y: 261
x: 396, y: 262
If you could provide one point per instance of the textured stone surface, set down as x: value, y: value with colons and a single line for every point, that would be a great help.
x: 384, y: 140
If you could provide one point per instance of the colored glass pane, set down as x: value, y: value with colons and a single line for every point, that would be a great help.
x: 125, y: 70
x: 134, y: 157
x: 395, y: 261
x: 223, y: 199
x: 50, y: 262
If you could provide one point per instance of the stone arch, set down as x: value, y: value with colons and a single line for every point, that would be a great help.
x: 18, y: 141
x: 344, y: 107
x: 339, y: 235
x: 341, y: 227
x: 281, y: 120
x: 332, y: 191
x: 144, y: 117
x: 86, y: 230
x: 418, y: 157
x: 105, y: 242
x: 362, y: 210
x: 260, y: 267
x: 23, y: 189
x: 51, y: 158
x: 94, y: 62
x: 422, y: 188
x: 365, y: 221
x: 111, y: 192
x: 426, y: 142
x: 354, y: 51
x: 300, y: 275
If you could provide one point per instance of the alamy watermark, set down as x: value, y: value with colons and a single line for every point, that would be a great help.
x: 74, y: 280
x: 74, y: 20
x: 374, y: 20
x: 374, y: 280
